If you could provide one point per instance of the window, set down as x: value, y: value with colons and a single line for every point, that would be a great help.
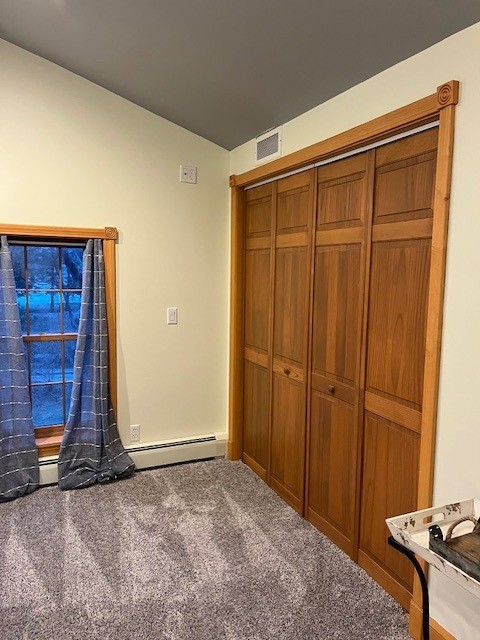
x: 47, y: 264
x: 48, y: 281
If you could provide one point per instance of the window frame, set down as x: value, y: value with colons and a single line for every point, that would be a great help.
x: 49, y: 439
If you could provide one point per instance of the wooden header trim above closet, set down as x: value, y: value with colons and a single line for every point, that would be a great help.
x: 415, y: 114
x: 107, y: 233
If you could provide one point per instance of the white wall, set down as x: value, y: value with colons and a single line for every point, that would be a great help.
x: 458, y: 445
x: 73, y: 154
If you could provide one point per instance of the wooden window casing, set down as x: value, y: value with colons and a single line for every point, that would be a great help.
x: 49, y: 438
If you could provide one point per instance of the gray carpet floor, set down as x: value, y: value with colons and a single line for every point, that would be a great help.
x: 203, y: 551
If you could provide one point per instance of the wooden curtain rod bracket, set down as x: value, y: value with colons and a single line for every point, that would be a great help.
x: 448, y: 93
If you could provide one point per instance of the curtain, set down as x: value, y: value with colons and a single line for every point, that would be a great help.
x: 91, y: 449
x: 18, y: 453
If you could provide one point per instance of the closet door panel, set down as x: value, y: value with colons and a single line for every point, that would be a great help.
x: 330, y: 493
x: 256, y: 396
x: 336, y: 311
x: 341, y: 194
x: 291, y: 304
x: 258, y: 215
x: 339, y: 274
x: 294, y: 209
x: 288, y: 438
x: 389, y: 486
x: 257, y: 332
x: 395, y: 355
x: 257, y: 299
x: 405, y: 179
x: 397, y: 320
x: 293, y: 204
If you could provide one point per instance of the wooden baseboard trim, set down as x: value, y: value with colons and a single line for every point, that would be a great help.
x: 437, y: 632
x: 385, y: 580
x: 287, y: 495
x: 254, y: 466
x: 330, y: 531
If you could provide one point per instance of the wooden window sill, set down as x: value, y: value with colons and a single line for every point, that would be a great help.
x: 49, y: 446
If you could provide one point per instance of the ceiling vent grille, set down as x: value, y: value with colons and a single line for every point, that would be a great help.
x: 268, y: 145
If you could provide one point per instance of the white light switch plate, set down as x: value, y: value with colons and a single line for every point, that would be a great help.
x: 172, y: 315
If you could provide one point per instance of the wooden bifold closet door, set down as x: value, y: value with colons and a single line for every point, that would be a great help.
x: 277, y: 276
x: 337, y: 267
x: 344, y: 194
x: 395, y: 349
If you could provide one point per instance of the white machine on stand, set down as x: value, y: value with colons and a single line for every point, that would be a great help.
x: 411, y: 536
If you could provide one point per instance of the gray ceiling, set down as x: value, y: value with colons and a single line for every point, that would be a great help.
x: 230, y: 69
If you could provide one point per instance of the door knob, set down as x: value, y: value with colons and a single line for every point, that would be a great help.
x: 286, y: 371
x: 331, y: 388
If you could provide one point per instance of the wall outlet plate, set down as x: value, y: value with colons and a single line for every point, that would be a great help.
x: 188, y: 174
x: 134, y: 433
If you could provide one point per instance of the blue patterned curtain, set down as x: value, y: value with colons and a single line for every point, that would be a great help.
x: 18, y: 453
x: 91, y: 449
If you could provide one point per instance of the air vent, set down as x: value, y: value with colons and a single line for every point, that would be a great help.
x: 268, y: 145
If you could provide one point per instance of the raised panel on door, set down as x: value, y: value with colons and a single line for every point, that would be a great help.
x: 291, y: 304
x: 288, y: 439
x: 257, y: 299
x: 331, y: 488
x: 390, y: 478
x: 293, y: 203
x: 397, y: 320
x: 405, y: 178
x: 341, y: 193
x: 256, y: 395
x: 339, y: 272
x: 336, y: 311
x: 258, y: 211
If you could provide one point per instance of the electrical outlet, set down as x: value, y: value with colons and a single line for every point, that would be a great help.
x: 188, y: 174
x: 134, y: 433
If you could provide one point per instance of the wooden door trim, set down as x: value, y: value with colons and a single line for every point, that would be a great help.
x: 441, y: 207
x: 415, y: 114
x: 237, y: 301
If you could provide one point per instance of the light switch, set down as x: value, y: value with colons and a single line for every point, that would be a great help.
x: 172, y: 315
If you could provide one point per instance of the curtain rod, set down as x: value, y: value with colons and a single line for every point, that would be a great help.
x: 46, y: 243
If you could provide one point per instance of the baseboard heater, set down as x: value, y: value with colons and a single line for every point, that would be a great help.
x: 157, y: 454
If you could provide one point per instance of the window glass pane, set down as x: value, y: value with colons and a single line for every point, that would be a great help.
x: 46, y: 359
x: 22, y: 308
x: 43, y: 265
x: 70, y: 346
x: 71, y: 311
x: 25, y: 356
x: 44, y: 310
x: 47, y: 404
x: 72, y: 267
x: 68, y: 397
x: 18, y: 262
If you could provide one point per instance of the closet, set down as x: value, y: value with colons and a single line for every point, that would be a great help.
x: 336, y: 285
